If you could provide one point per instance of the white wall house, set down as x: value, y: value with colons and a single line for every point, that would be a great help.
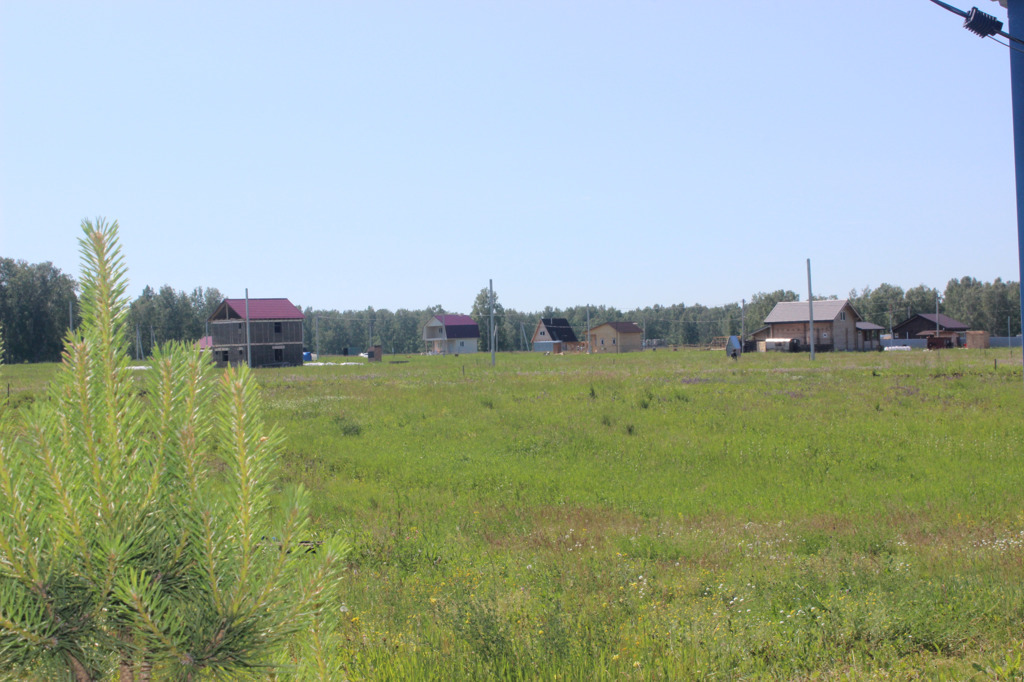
x: 451, y: 334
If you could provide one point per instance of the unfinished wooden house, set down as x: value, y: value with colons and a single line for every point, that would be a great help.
x: 271, y: 332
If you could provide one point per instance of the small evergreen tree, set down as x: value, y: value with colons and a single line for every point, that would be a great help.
x: 134, y: 523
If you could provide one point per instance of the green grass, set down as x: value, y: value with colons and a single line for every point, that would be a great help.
x: 668, y: 515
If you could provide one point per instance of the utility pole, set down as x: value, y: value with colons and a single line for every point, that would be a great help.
x: 984, y: 25
x: 810, y: 305
x: 248, y: 336
x: 1015, y: 18
x: 588, y: 330
x: 491, y: 286
x: 743, y: 322
x: 317, y: 322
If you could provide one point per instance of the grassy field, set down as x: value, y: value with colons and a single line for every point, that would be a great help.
x: 666, y: 515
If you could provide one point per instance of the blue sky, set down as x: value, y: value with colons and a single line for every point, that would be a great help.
x: 401, y: 154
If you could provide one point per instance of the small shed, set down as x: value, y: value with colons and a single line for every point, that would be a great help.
x: 939, y: 340
x: 977, y: 339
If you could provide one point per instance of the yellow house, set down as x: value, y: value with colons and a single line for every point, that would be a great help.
x: 616, y: 337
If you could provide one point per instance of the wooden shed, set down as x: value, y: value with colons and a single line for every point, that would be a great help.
x: 977, y: 339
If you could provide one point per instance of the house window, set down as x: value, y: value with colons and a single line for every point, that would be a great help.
x: 277, y: 327
x: 279, y: 355
x: 602, y: 342
x: 462, y: 343
x: 542, y: 333
x: 613, y: 342
x: 224, y: 356
x: 842, y: 316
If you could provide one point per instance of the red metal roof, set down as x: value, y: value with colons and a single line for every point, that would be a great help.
x: 455, y: 319
x: 259, y: 309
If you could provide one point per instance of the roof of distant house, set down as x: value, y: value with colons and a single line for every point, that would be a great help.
x: 459, y: 326
x: 623, y: 327
x: 259, y: 309
x: 797, y: 311
x: 945, y: 322
x: 559, y: 329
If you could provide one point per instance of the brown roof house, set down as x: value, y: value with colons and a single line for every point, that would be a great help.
x: 451, y: 334
x: 616, y: 337
x: 837, y: 326
x: 271, y: 331
x: 554, y: 335
x: 926, y: 324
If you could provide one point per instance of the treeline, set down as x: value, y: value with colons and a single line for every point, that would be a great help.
x: 38, y: 304
x: 402, y: 331
x: 990, y: 306
x: 156, y: 317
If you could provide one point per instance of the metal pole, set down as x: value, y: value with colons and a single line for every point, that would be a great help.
x: 317, y: 338
x: 1015, y: 20
x: 743, y: 322
x: 492, y: 287
x: 248, y: 336
x: 810, y: 306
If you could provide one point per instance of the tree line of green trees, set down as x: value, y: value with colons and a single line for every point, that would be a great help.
x: 38, y: 302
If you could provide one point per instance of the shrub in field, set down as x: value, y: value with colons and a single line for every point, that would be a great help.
x: 134, y: 524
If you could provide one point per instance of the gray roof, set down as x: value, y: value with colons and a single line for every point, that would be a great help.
x: 796, y: 311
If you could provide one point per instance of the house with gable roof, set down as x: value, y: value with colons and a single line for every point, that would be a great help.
x: 554, y: 335
x: 616, y: 337
x: 271, y: 331
x: 837, y: 326
x: 451, y: 334
x: 924, y: 325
